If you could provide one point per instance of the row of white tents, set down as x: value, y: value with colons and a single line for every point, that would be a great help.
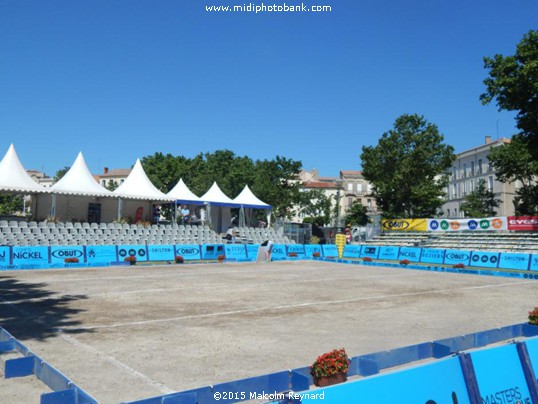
x: 77, y: 192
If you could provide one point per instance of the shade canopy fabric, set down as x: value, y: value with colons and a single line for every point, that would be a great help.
x: 247, y: 199
x: 14, y: 178
x: 216, y: 197
x: 79, y: 181
x: 182, y: 194
x: 138, y: 186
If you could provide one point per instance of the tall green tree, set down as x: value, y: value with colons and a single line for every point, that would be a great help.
x: 314, y: 203
x: 407, y: 168
x: 513, y: 84
x: 357, y: 215
x: 60, y: 173
x: 10, y: 204
x: 481, y: 202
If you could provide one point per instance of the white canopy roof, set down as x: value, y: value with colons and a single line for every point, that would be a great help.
x: 138, y: 186
x: 79, y: 181
x: 14, y: 178
x: 248, y: 200
x: 183, y: 194
x: 216, y: 197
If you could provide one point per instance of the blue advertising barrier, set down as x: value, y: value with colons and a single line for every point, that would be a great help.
x: 5, y: 257
x: 432, y: 256
x: 101, y: 254
x: 138, y: 251
x: 297, y: 249
x: 500, y: 384
x: 514, y: 261
x: 370, y: 251
x: 252, y: 251
x: 30, y: 257
x: 211, y: 251
x: 534, y: 262
x: 190, y: 252
x: 310, y: 249
x: 484, y: 259
x: 412, y: 254
x: 457, y: 257
x: 532, y: 349
x: 352, y: 251
x: 235, y: 251
x: 279, y: 252
x: 59, y: 253
x: 161, y: 252
x: 389, y: 253
x: 329, y: 250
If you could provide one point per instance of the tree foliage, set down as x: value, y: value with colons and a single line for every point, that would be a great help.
x: 60, y: 173
x: 407, y: 168
x: 10, y: 204
x: 315, y: 204
x: 513, y: 84
x: 481, y: 202
x: 357, y: 215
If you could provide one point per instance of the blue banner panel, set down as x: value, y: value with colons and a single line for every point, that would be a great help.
x: 484, y: 259
x: 534, y: 262
x: 532, y: 349
x: 59, y: 253
x: 439, y: 382
x: 514, y: 261
x: 389, y: 253
x: 279, y: 252
x: 252, y: 251
x: 297, y: 249
x: 432, y: 256
x: 235, y: 251
x: 30, y: 256
x: 310, y: 249
x: 411, y: 254
x: 101, y: 254
x: 211, y: 251
x: 496, y: 386
x: 138, y: 251
x: 329, y: 250
x: 457, y: 257
x: 352, y: 251
x: 4, y: 257
x: 158, y: 252
x: 191, y: 252
x: 369, y: 251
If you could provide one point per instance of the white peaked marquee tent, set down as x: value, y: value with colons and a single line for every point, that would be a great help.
x: 183, y: 195
x: 219, y: 208
x: 14, y: 178
x: 247, y: 200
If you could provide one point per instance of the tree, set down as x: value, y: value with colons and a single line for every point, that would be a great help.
x: 314, y: 203
x: 481, y: 202
x: 513, y: 84
x: 10, y: 204
x: 514, y: 162
x: 407, y: 168
x: 111, y: 185
x: 357, y: 215
x: 60, y: 173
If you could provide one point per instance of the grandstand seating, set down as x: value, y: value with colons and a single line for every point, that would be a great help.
x: 49, y: 233
x: 502, y: 241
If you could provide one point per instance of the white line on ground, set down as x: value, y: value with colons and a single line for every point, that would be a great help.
x: 291, y: 306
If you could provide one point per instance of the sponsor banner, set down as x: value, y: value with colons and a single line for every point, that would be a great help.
x: 457, y: 257
x: 352, y: 251
x: 534, y: 262
x: 484, y: 259
x: 432, y: 256
x: 438, y: 382
x: 411, y: 254
x: 5, y: 256
x: 209, y: 251
x: 101, y: 254
x: 161, y: 252
x: 310, y: 249
x: 30, y: 256
x: 523, y: 223
x: 297, y: 249
x: 59, y: 253
x: 532, y: 348
x: 279, y: 252
x: 252, y: 251
x: 189, y: 252
x: 486, y: 224
x: 330, y: 250
x: 514, y: 261
x: 235, y: 251
x: 404, y: 224
x: 496, y: 386
x: 370, y: 251
x: 139, y: 251
x: 389, y: 253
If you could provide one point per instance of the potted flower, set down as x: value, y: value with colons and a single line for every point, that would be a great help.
x: 404, y: 262
x: 292, y: 254
x: 316, y: 254
x: 367, y: 259
x: 221, y: 258
x: 131, y: 259
x: 533, y: 316
x: 330, y: 368
x: 179, y: 259
x: 459, y: 266
x: 71, y: 260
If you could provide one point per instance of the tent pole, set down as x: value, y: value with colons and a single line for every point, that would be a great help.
x: 53, y: 207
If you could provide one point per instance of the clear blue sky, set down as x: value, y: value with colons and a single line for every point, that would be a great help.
x: 122, y: 79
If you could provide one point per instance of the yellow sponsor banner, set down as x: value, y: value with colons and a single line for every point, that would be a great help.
x: 405, y: 224
x: 340, y: 241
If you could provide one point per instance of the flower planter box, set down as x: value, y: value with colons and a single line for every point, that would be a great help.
x: 330, y: 380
